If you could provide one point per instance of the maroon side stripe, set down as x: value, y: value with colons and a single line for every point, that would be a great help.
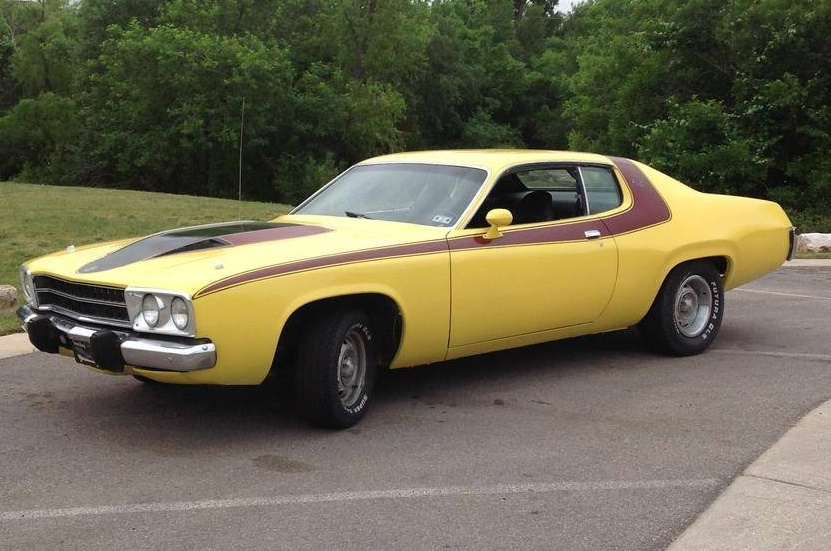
x: 410, y: 249
x: 648, y: 209
x: 569, y: 231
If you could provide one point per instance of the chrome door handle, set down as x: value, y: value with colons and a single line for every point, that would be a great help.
x: 592, y: 234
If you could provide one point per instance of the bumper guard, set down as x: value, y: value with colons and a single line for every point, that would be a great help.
x: 792, y: 243
x: 112, y: 349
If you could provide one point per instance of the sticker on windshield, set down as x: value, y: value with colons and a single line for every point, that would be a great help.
x: 445, y: 220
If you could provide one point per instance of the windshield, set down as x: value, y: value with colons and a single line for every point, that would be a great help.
x: 431, y: 195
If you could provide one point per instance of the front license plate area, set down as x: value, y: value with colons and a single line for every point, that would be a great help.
x: 83, y: 353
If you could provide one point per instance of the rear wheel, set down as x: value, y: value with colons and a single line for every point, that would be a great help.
x: 687, y: 313
x: 336, y: 368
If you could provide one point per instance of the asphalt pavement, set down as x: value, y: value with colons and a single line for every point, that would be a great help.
x: 781, y: 501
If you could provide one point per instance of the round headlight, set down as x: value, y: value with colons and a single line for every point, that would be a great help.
x: 179, y: 313
x: 150, y: 309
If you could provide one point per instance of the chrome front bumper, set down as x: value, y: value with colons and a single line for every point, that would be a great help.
x: 113, y: 349
x: 792, y: 243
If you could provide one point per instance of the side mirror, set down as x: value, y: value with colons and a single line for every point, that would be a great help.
x: 497, y: 218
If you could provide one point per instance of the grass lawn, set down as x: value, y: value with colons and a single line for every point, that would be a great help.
x: 35, y: 220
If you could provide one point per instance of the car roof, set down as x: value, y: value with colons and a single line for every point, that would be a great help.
x: 492, y: 159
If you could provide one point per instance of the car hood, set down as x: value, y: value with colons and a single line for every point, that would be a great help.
x: 190, y: 259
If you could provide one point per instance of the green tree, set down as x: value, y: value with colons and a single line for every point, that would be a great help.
x: 618, y: 83
x: 46, y: 58
x: 730, y: 96
x: 166, y: 103
x: 97, y: 16
x: 355, y: 63
x: 39, y: 126
x: 473, y: 93
x: 783, y: 94
x: 704, y: 143
x: 17, y: 20
x: 38, y: 139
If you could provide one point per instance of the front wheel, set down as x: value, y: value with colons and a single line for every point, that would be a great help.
x: 336, y: 369
x: 687, y: 313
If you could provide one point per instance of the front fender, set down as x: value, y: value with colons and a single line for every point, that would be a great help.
x: 245, y: 321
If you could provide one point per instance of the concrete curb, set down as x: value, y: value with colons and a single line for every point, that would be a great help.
x: 782, y: 501
x: 15, y: 345
x: 807, y: 262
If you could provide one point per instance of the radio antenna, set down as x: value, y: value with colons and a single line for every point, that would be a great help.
x: 239, y: 177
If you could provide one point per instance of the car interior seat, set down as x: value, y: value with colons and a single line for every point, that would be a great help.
x: 535, y: 206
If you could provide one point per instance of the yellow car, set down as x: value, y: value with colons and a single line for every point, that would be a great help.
x: 409, y: 259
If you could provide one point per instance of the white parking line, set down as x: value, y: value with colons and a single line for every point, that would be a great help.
x: 402, y: 493
x: 781, y: 294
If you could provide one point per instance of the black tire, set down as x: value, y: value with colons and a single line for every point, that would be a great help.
x: 686, y: 315
x: 336, y: 369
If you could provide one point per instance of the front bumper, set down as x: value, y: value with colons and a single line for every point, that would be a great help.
x: 792, y: 242
x: 113, y: 349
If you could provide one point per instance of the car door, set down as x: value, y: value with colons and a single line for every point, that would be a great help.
x: 539, y: 275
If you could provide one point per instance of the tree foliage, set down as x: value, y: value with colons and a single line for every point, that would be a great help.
x: 167, y: 102
x: 731, y: 96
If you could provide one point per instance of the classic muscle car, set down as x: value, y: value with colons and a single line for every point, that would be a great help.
x: 409, y: 259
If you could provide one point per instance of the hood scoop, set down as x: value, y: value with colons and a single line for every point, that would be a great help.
x: 197, y: 239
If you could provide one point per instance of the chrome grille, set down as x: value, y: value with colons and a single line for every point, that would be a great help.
x: 81, y: 300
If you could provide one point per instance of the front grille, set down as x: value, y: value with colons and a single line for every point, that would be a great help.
x: 82, y: 300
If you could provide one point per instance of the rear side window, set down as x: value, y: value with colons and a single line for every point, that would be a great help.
x: 602, y: 189
x: 549, y: 179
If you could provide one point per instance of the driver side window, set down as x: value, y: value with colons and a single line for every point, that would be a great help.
x: 535, y: 194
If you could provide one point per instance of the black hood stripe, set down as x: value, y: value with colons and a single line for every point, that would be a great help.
x: 196, y: 239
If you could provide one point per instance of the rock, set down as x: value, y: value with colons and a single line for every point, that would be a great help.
x: 8, y: 298
x: 814, y: 243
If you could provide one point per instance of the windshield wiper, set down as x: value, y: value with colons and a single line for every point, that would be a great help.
x: 351, y: 214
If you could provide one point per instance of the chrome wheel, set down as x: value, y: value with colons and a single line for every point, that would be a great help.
x: 693, y: 306
x: 686, y: 314
x: 352, y: 366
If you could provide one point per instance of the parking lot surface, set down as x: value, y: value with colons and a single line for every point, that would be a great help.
x: 592, y: 443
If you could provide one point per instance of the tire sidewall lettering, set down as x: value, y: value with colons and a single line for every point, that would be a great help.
x: 362, y: 403
x: 365, y: 330
x: 715, y: 314
x: 357, y: 408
